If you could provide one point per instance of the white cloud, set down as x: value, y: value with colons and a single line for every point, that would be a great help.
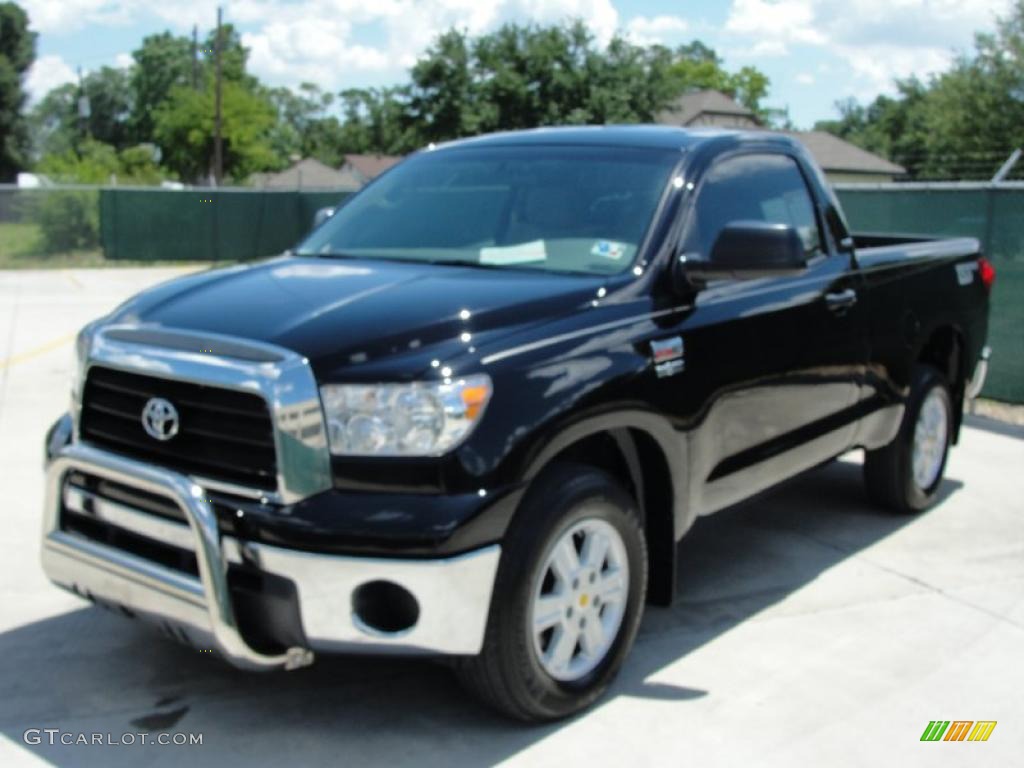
x: 68, y: 15
x: 780, y: 21
x: 645, y: 30
x: 321, y: 40
x: 123, y: 60
x: 875, y: 67
x: 316, y: 41
x: 877, y: 40
x: 47, y: 72
x: 805, y: 78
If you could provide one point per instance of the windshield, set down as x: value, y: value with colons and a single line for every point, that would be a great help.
x: 566, y: 209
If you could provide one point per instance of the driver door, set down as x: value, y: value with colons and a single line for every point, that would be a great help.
x: 776, y: 361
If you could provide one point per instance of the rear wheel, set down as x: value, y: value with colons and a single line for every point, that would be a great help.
x: 567, y: 599
x: 906, y: 474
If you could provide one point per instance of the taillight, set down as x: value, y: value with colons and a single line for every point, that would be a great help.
x: 987, y: 272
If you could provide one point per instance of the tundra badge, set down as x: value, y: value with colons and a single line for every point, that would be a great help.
x: 668, y: 356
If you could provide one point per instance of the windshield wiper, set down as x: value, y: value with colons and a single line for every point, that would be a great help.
x: 331, y: 255
x: 462, y: 263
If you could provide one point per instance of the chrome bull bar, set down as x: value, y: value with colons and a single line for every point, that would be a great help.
x: 203, y: 604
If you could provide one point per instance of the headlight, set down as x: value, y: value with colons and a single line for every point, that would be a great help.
x: 419, y: 419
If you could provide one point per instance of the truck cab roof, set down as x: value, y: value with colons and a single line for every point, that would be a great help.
x: 635, y: 136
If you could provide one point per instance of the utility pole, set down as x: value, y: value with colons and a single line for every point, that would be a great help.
x: 218, y: 156
x: 195, y: 57
x: 84, y: 109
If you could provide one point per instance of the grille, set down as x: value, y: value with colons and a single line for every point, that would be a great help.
x: 117, y: 515
x: 222, y: 434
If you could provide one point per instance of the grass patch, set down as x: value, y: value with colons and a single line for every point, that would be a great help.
x: 18, y: 240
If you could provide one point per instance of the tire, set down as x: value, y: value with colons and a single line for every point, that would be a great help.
x: 579, y: 506
x: 890, y: 475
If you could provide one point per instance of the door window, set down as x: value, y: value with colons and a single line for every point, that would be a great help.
x: 763, y: 187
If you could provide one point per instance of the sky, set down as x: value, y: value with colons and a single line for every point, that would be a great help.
x: 815, y: 51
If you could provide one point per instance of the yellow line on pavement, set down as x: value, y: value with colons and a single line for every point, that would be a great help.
x: 41, y: 350
x: 73, y: 280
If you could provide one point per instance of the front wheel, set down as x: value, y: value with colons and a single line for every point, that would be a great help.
x: 905, y: 474
x: 567, y: 600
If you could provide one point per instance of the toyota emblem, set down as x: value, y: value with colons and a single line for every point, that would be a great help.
x: 160, y: 419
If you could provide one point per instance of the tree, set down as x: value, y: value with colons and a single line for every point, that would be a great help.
x: 698, y: 67
x: 443, y: 96
x: 303, y: 126
x: 183, y: 127
x: 58, y: 127
x: 960, y: 124
x: 182, y: 116
x: 523, y: 76
x: 378, y: 120
x: 54, y: 121
x: 162, y: 62
x: 17, y: 52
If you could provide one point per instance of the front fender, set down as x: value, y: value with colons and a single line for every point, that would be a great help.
x: 672, y: 444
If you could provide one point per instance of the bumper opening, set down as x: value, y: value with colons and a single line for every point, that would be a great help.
x: 267, y: 609
x: 385, y: 607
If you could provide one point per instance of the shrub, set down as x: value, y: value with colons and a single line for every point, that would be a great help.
x: 68, y: 220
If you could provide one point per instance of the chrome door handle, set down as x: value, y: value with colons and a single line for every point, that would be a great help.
x: 841, y: 301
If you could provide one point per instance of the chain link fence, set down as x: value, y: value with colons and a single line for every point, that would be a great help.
x: 48, y: 221
x: 152, y: 224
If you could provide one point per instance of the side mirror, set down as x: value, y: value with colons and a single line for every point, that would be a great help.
x: 322, y: 215
x: 745, y: 250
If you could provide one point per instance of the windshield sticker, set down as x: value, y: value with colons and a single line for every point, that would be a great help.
x: 608, y: 249
x: 521, y: 253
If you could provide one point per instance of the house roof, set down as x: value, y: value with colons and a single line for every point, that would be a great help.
x: 690, y: 106
x: 835, y: 154
x: 371, y: 166
x: 308, y: 172
x: 832, y: 153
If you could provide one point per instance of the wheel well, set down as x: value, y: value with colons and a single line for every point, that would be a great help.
x: 944, y: 351
x: 634, y: 458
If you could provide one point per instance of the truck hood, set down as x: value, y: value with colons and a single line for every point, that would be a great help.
x: 339, y: 312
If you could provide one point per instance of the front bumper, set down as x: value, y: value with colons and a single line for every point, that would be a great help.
x: 450, y: 597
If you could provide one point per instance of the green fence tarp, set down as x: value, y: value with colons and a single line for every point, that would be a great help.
x: 204, y: 224
x: 993, y: 215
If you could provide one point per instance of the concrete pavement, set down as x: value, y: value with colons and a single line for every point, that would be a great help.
x: 810, y: 629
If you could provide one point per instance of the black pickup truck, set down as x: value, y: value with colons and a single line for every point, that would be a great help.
x: 473, y: 412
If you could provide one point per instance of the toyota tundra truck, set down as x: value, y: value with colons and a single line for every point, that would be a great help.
x: 473, y: 412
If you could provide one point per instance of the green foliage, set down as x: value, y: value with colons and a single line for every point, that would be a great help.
x: 184, y: 128
x: 697, y: 67
x: 303, y: 127
x: 17, y: 52
x: 162, y: 62
x: 97, y: 163
x: 94, y: 163
x: 523, y: 76
x: 69, y: 220
x: 56, y: 122
x: 377, y: 120
x: 138, y: 166
x: 961, y: 124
